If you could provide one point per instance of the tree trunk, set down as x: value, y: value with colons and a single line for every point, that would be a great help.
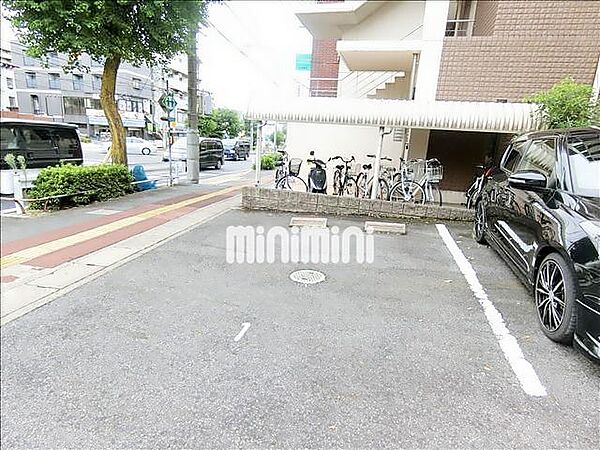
x: 118, y: 151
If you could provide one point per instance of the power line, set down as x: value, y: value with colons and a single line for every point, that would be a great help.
x: 243, y: 53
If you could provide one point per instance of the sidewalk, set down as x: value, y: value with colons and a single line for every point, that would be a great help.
x: 46, y: 256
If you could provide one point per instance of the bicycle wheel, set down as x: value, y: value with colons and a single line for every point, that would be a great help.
x: 433, y: 194
x: 349, y: 188
x: 292, y: 183
x: 361, y: 186
x: 337, y: 183
x: 278, y: 175
x: 383, y: 190
x: 407, y: 191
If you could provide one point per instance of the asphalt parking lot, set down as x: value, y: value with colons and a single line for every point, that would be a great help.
x: 397, y: 353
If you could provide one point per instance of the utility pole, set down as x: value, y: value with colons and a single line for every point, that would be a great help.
x: 169, y: 140
x: 193, y: 153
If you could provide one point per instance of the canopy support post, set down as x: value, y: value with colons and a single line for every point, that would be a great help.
x: 257, y: 158
x: 375, y: 184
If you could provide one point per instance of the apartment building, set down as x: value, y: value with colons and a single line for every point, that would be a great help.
x: 43, y: 88
x: 447, y: 53
x: 8, y: 95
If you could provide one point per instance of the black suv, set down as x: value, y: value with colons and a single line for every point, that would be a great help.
x: 541, y: 213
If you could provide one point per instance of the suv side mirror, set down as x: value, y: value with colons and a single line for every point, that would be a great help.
x: 528, y: 180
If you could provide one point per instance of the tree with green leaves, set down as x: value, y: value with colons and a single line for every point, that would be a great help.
x: 137, y: 31
x: 221, y: 123
x: 281, y: 135
x: 567, y: 104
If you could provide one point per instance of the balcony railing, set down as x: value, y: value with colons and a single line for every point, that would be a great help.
x: 459, y: 27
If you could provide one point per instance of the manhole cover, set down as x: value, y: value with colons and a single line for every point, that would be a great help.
x: 307, y: 276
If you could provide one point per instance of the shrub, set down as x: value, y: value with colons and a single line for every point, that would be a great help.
x: 87, y: 184
x: 85, y: 139
x: 268, y: 161
x: 567, y: 104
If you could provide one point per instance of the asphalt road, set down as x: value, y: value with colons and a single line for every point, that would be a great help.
x: 154, y: 166
x: 95, y: 153
x: 397, y: 353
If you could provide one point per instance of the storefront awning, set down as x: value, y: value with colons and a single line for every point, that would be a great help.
x: 464, y: 116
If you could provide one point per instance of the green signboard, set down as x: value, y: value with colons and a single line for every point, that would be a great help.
x: 303, y: 61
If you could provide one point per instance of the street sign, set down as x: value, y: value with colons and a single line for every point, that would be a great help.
x: 167, y: 102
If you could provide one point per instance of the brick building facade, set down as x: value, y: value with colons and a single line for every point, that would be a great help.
x: 325, y: 65
x: 520, y: 47
x: 324, y: 69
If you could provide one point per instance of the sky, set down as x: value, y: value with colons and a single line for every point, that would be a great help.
x: 248, y: 52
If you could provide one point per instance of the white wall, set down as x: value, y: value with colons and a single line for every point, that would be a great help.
x: 434, y: 26
x: 331, y: 140
x: 392, y: 21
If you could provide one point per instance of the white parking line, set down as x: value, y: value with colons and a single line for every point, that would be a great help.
x: 240, y: 335
x: 524, y: 371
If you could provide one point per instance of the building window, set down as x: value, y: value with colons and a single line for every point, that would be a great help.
x: 31, y: 80
x: 92, y: 103
x: 460, y: 18
x: 96, y: 82
x: 35, y: 104
x: 77, y: 82
x: 28, y: 60
x: 74, y: 106
x: 54, y: 80
x: 12, y: 102
x: 10, y: 83
x: 137, y: 83
x: 53, y: 59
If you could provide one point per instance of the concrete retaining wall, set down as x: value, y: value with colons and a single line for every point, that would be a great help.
x: 303, y: 202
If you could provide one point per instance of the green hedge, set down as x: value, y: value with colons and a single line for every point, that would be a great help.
x: 87, y: 183
x: 268, y: 161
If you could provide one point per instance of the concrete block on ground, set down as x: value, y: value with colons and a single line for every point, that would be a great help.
x: 316, y: 222
x: 385, y: 227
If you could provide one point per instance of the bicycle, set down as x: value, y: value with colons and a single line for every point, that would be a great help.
x: 474, y: 191
x: 344, y: 183
x: 286, y: 175
x: 417, y: 181
x: 364, y: 182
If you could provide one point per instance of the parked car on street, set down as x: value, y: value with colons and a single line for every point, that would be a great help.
x: 211, y: 152
x: 236, y: 149
x: 541, y: 213
x: 136, y: 145
x: 157, y: 140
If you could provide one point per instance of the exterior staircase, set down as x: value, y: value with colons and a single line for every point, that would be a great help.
x: 365, y: 84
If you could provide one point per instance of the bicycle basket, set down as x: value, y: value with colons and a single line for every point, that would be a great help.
x: 435, y: 172
x: 294, y: 166
x: 415, y: 169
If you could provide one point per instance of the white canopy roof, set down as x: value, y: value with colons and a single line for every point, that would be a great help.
x: 465, y: 116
